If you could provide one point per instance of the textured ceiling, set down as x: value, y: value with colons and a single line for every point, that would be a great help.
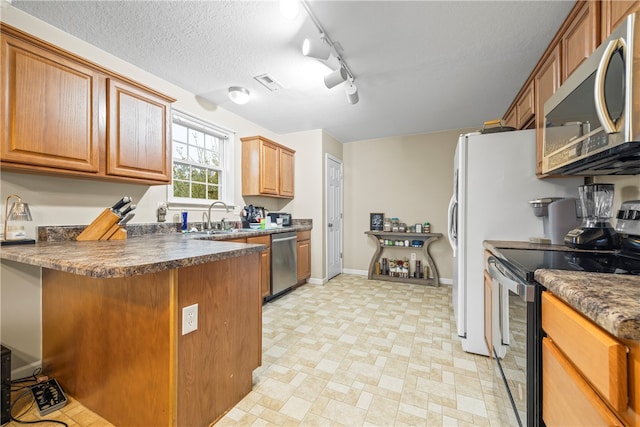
x: 420, y: 66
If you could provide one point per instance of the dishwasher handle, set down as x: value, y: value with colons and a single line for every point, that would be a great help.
x: 282, y: 239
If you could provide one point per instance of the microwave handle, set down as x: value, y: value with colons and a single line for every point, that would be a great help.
x: 600, y: 103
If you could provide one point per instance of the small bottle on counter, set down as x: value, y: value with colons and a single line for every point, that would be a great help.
x: 418, y: 228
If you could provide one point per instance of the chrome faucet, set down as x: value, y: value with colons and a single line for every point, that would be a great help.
x: 217, y: 202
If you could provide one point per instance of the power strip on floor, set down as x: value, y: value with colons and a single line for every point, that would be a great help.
x: 48, y: 396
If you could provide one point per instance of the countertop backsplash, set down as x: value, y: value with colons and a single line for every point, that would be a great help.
x: 59, y: 233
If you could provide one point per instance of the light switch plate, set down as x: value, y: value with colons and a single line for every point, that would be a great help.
x: 189, y: 319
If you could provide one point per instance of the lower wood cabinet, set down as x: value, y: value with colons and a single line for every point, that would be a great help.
x: 589, y: 377
x: 115, y: 344
x: 265, y: 263
x: 304, y: 256
x: 567, y: 398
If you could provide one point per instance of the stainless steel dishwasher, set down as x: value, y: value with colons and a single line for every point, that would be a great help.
x: 284, y: 262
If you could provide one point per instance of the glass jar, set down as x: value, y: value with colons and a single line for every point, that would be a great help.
x: 402, y: 227
x: 394, y: 225
x: 426, y: 228
x: 386, y: 225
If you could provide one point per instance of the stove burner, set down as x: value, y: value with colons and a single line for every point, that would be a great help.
x: 524, y: 262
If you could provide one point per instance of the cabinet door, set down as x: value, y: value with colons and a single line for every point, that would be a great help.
x: 613, y: 12
x: 580, y: 39
x: 509, y: 119
x: 600, y: 357
x: 546, y: 82
x: 567, y: 399
x: 50, y: 106
x: 139, y: 144
x: 269, y: 168
x: 525, y: 107
x: 287, y: 172
x: 265, y: 263
x: 304, y: 260
x: 488, y: 312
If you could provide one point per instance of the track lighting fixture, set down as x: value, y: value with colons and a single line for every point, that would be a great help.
x: 322, y: 49
x: 336, y: 77
x: 352, y: 93
x: 318, y: 49
x: 239, y: 94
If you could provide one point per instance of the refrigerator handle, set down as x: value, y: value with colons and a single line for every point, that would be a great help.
x: 452, y: 223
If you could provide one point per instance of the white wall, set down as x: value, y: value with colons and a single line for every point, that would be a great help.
x: 410, y: 178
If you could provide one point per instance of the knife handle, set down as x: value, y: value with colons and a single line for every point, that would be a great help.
x: 128, y: 209
x: 99, y: 226
x: 120, y: 203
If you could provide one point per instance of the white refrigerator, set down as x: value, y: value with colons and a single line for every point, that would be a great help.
x: 494, y: 180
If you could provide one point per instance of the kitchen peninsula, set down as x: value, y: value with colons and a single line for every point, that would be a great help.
x: 111, y: 324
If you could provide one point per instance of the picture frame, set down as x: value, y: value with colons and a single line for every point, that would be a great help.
x: 376, y: 221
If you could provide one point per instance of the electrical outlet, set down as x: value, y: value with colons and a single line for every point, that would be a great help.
x: 413, y: 256
x: 189, y: 319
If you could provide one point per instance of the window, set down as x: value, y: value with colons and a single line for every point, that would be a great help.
x: 202, y: 161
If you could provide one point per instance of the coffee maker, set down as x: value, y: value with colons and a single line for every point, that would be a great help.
x: 559, y: 215
x: 595, y: 232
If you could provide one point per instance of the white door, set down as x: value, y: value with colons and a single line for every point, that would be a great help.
x: 334, y: 216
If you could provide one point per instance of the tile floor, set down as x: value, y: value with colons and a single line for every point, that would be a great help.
x: 357, y: 352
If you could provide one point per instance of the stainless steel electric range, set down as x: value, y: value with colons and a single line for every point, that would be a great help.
x: 517, y: 336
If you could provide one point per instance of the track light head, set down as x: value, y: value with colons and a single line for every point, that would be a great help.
x: 318, y: 49
x: 336, y: 77
x: 352, y: 93
x: 239, y: 94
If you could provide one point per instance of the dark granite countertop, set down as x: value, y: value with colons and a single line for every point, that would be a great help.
x: 143, y: 254
x: 612, y: 301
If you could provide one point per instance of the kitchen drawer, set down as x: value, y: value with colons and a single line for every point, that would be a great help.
x: 260, y: 240
x: 567, y: 399
x: 304, y: 235
x: 600, y: 358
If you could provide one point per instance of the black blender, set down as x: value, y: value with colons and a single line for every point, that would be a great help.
x: 595, y: 232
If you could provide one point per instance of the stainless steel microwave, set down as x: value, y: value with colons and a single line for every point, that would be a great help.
x: 592, y: 122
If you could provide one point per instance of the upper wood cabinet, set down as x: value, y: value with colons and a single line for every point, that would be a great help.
x: 50, y: 108
x: 139, y: 142
x: 576, y: 39
x: 613, y: 12
x: 521, y: 113
x: 580, y: 38
x: 267, y: 168
x: 546, y: 82
x: 64, y: 115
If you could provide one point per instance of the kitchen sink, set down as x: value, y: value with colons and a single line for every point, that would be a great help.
x: 214, y: 232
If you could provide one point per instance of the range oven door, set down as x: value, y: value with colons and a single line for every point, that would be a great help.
x: 512, y: 301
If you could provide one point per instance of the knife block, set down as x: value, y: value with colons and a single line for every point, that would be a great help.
x: 104, y: 227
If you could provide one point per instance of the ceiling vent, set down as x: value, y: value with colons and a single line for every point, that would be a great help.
x: 269, y: 82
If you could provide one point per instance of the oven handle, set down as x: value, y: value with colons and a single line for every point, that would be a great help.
x: 499, y: 272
